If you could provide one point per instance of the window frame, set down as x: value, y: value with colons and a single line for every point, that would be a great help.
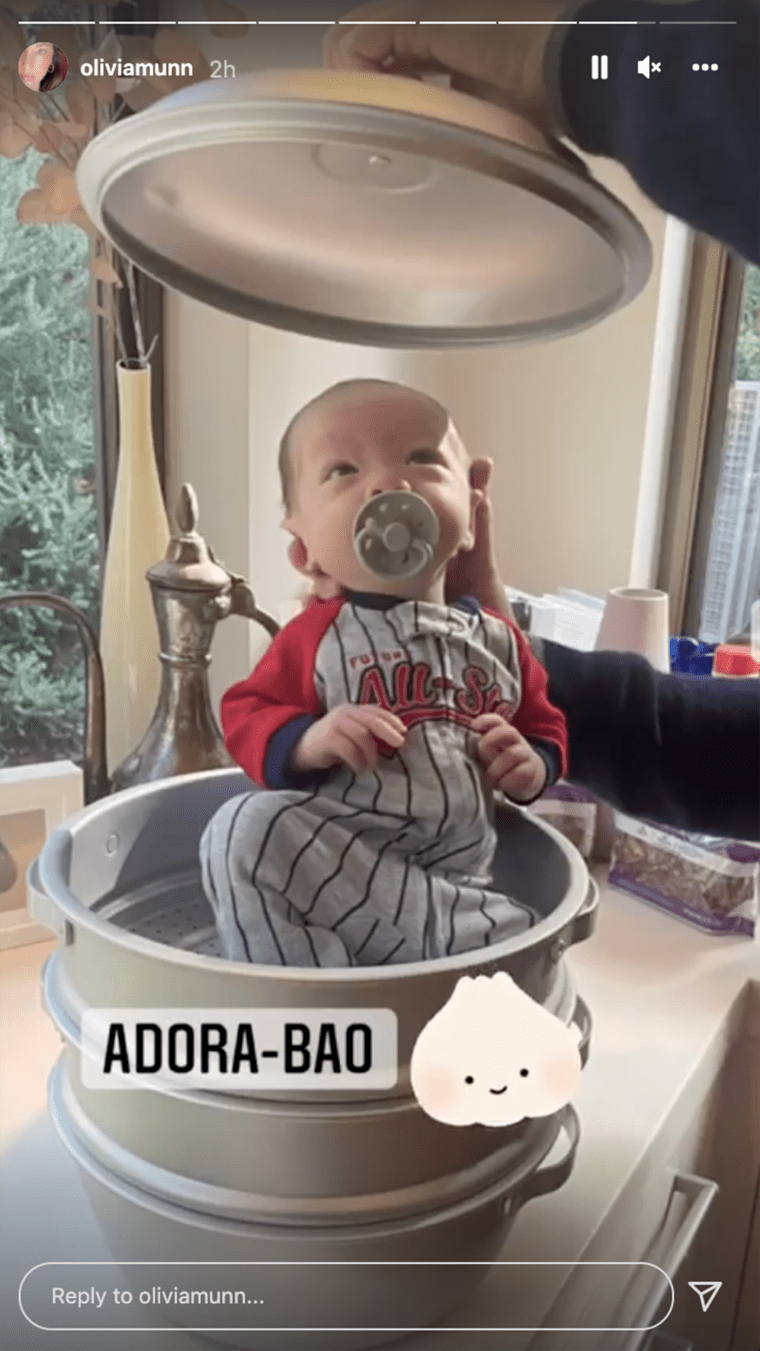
x: 713, y: 315
x: 151, y: 301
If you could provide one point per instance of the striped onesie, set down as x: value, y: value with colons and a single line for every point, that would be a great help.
x: 394, y: 865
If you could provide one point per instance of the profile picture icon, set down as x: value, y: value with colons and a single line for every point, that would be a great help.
x: 43, y: 67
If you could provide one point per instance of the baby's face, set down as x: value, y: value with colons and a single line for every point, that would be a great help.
x: 367, y: 443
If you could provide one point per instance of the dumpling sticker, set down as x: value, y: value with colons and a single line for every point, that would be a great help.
x: 492, y: 1056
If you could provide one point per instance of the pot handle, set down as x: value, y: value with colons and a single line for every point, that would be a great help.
x: 546, y: 1180
x: 584, y: 923
x: 44, y: 910
x: 583, y: 1021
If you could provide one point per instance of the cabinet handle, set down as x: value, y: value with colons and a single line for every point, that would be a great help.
x: 700, y: 1192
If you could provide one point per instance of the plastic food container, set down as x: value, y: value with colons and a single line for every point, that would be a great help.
x: 733, y: 660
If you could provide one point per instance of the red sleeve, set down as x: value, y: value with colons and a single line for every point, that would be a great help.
x: 536, y: 718
x: 263, y: 716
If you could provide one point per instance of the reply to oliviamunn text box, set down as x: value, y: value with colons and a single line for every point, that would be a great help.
x: 265, y: 1296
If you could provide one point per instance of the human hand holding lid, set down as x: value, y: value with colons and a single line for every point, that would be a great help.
x: 500, y: 65
x: 536, y: 62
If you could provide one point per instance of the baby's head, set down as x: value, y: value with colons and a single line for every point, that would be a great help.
x: 360, y: 438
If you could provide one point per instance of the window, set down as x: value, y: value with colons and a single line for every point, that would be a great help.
x: 732, y: 580
x: 58, y: 427
x: 710, y: 550
x: 48, y: 511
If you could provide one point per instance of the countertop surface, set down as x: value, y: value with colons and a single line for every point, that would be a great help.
x: 662, y: 996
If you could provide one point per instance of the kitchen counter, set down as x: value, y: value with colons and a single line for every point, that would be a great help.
x: 668, y: 1002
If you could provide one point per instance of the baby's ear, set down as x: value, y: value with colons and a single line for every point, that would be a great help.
x: 476, y: 497
x: 481, y: 471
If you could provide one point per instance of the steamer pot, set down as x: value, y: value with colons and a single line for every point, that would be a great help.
x: 120, y: 883
x: 286, y: 1177
x: 469, y: 1235
x: 283, y: 1164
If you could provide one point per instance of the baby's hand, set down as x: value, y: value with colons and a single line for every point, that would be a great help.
x: 512, y: 765
x: 348, y: 735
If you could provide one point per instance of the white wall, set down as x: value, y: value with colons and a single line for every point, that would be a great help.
x: 207, y: 442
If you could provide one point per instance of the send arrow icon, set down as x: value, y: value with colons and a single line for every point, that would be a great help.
x: 706, y: 1290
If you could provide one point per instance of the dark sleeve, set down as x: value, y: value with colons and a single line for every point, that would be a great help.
x: 683, y: 751
x: 691, y: 140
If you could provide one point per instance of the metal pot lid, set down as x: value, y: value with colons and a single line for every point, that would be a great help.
x: 363, y: 208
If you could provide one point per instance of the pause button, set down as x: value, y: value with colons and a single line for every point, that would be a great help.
x: 599, y: 68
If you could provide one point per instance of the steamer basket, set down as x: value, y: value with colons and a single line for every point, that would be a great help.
x: 120, y: 883
x: 140, y: 1228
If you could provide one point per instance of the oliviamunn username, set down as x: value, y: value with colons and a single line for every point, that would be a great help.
x: 136, y: 69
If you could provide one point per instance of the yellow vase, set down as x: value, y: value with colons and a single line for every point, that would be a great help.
x: 138, y: 538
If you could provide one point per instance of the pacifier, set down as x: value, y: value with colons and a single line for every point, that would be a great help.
x: 395, y: 534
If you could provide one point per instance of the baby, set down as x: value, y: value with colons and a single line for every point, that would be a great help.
x: 381, y: 721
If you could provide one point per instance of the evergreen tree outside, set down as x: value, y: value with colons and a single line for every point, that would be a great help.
x: 748, y: 345
x: 48, y: 516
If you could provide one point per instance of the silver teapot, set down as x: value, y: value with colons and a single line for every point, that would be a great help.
x: 191, y: 590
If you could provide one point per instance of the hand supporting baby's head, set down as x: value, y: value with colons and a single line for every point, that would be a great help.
x: 359, y: 439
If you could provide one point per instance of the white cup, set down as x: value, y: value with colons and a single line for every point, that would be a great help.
x: 636, y: 620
